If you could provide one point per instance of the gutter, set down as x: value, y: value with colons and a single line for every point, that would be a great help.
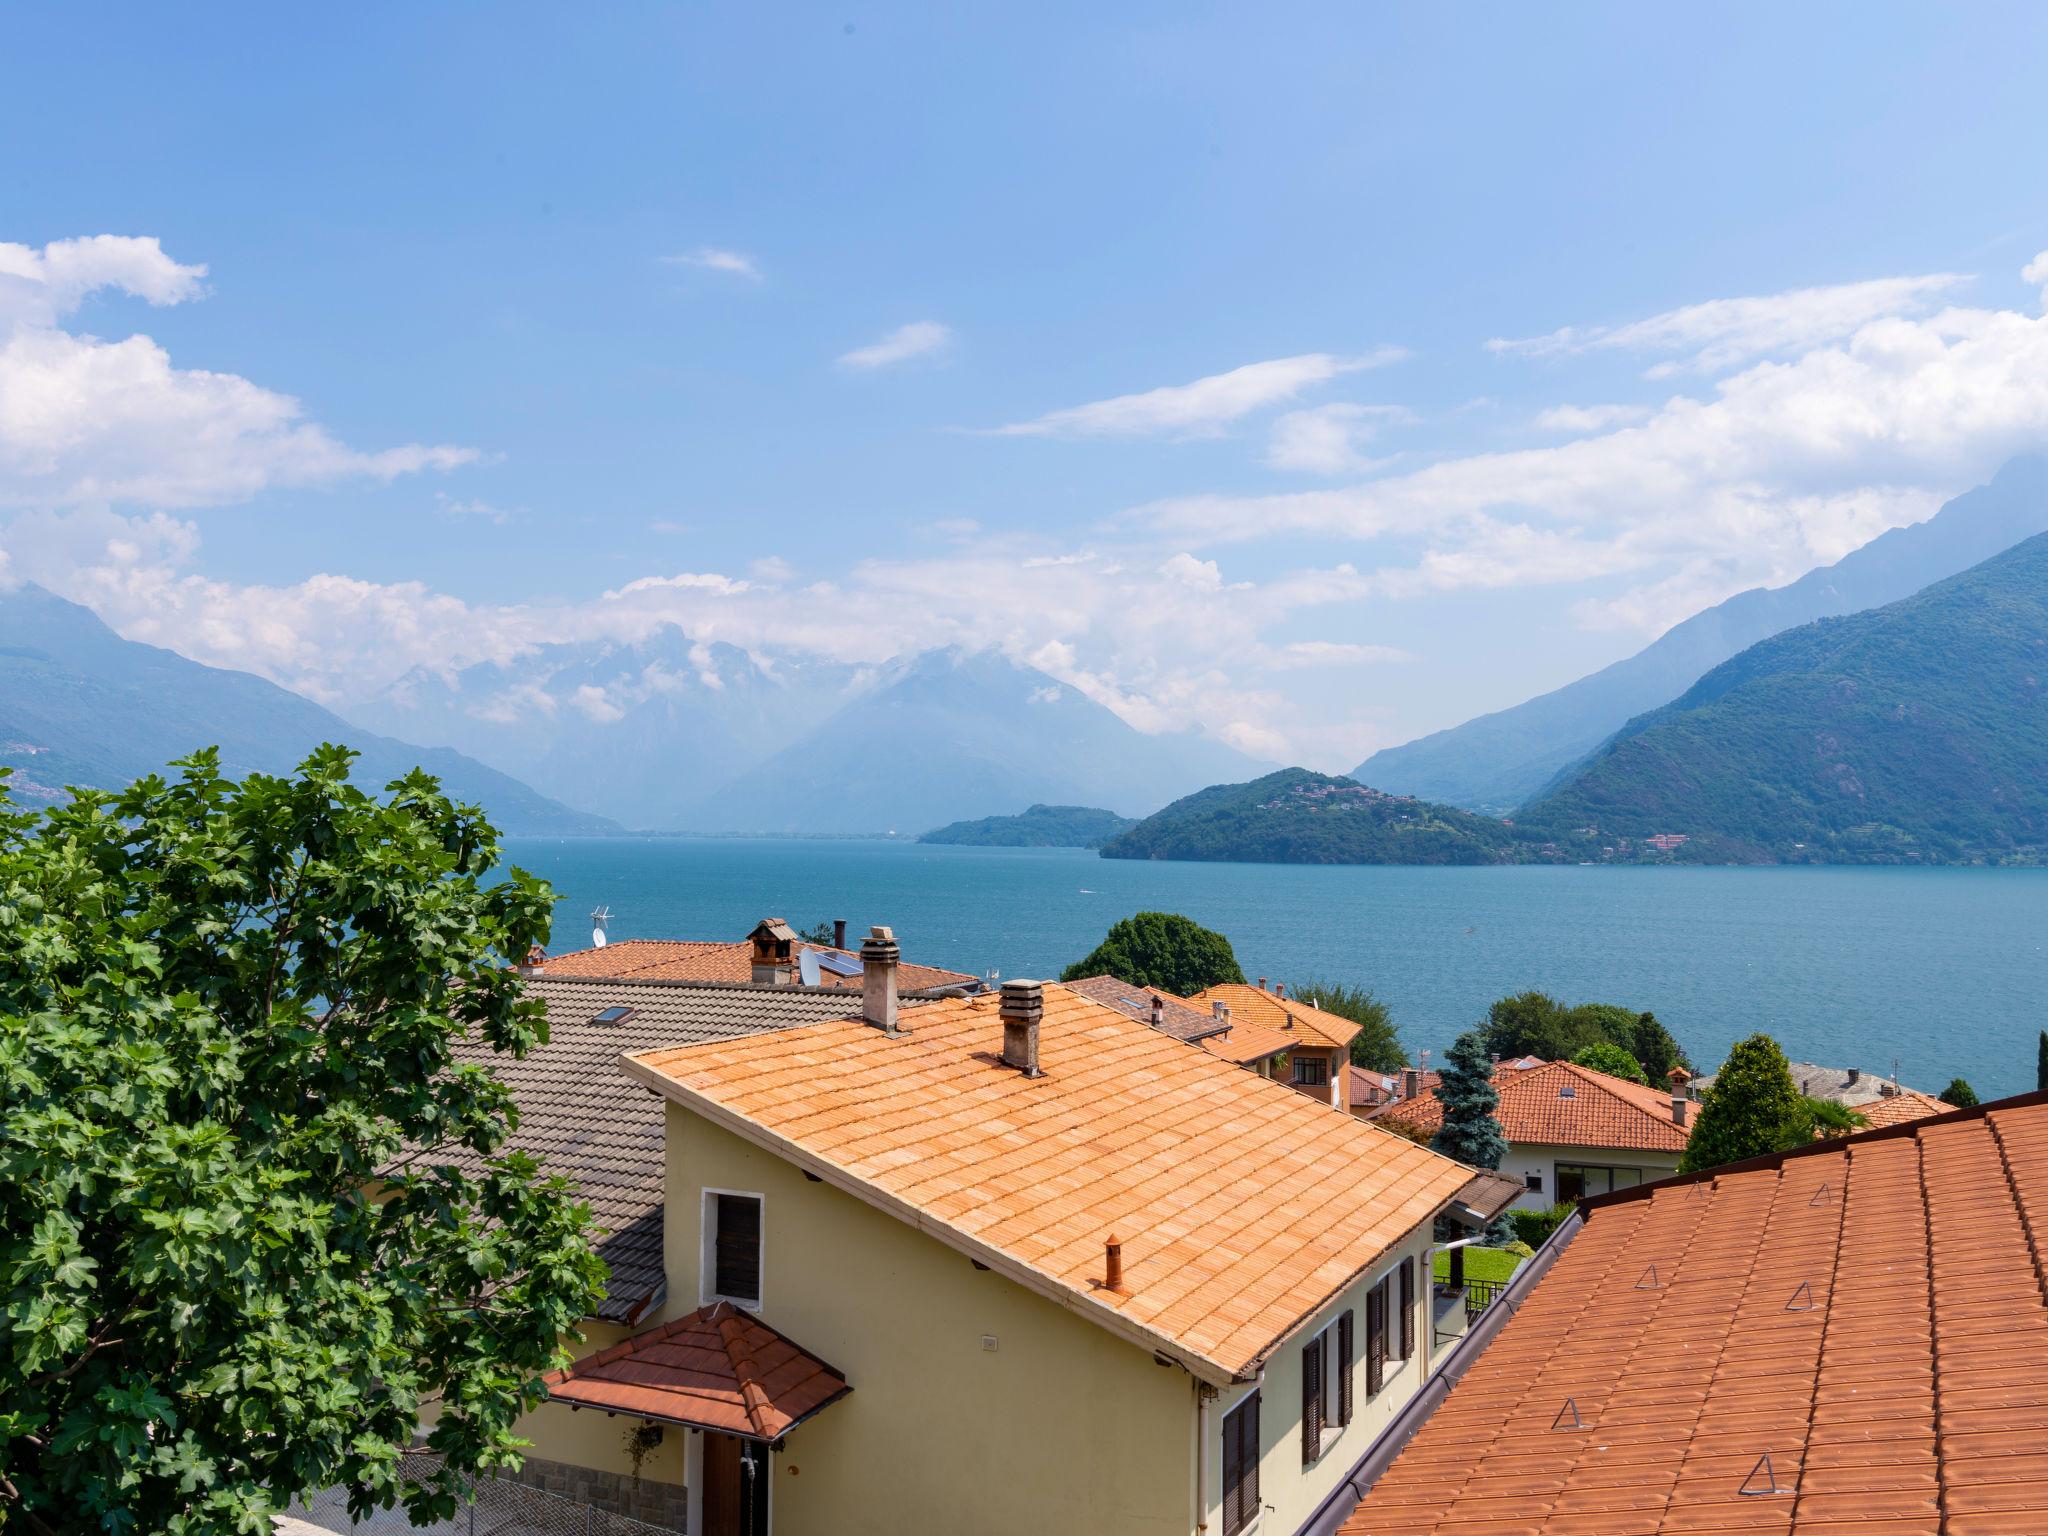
x: 1331, y: 1514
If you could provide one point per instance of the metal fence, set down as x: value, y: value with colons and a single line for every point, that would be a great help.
x: 500, y: 1507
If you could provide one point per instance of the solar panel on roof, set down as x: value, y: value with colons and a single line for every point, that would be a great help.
x: 838, y: 965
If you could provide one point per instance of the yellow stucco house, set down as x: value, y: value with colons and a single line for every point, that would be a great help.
x: 1012, y: 1264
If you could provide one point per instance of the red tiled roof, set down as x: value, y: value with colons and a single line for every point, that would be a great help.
x: 1867, y: 1313
x: 1901, y: 1108
x: 1600, y: 1111
x: 718, y: 1368
x: 1241, y: 1205
x: 1296, y: 1020
x: 720, y: 960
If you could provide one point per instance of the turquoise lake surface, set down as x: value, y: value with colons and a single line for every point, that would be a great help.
x: 1944, y: 972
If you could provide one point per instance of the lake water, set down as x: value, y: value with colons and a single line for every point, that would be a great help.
x: 1942, y: 971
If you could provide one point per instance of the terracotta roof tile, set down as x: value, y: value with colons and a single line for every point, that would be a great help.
x: 1901, y: 1108
x: 1868, y: 1313
x: 1600, y: 1110
x: 1242, y: 1206
x: 723, y: 961
x: 1258, y: 1005
x: 718, y: 1368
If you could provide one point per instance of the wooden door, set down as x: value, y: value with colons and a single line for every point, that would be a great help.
x: 735, y: 1486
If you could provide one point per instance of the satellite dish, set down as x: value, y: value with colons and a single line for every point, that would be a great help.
x: 597, y: 938
x: 598, y: 919
x: 807, y: 968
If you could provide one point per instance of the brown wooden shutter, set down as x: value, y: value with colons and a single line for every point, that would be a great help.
x: 1233, y: 1471
x: 737, y: 1248
x: 1408, y: 1307
x: 1241, y: 1465
x: 1344, y: 1362
x: 1375, y: 1338
x: 1312, y: 1401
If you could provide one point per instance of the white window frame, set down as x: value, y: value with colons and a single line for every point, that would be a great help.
x: 707, y: 1249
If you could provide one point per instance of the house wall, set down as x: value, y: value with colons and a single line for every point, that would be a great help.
x: 1061, y: 1426
x: 1524, y: 1158
x: 1290, y: 1490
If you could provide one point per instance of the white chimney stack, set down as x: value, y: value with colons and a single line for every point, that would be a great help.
x: 878, y: 956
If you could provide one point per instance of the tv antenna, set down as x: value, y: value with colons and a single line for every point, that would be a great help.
x: 598, y: 918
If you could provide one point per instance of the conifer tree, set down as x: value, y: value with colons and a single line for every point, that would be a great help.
x: 1752, y: 1109
x: 1959, y: 1095
x: 1470, y: 1132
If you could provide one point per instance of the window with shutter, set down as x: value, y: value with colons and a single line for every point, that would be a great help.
x: 1408, y: 1308
x: 736, y: 1247
x: 1312, y: 1400
x: 1344, y: 1362
x: 1375, y: 1338
x: 1241, y: 1465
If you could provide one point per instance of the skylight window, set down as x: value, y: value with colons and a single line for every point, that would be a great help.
x: 615, y: 1014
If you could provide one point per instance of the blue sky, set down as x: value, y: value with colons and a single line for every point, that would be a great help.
x: 710, y: 315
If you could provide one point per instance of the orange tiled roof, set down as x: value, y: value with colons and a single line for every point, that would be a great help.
x: 1299, y: 1022
x: 718, y: 1368
x: 1601, y: 1111
x: 1901, y: 1108
x: 1242, y: 1206
x: 719, y: 960
x: 1865, y: 1312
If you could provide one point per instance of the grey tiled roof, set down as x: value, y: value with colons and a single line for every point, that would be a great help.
x: 583, y: 1117
x: 1176, y: 1019
x: 1819, y: 1082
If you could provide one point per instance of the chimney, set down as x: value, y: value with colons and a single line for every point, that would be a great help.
x: 535, y: 962
x: 1113, y: 1265
x: 772, y: 947
x: 839, y: 933
x: 1219, y: 1010
x: 878, y: 957
x: 1279, y: 989
x: 1262, y: 983
x: 1158, y: 1011
x: 1681, y: 1105
x: 1855, y: 1076
x: 1023, y: 1005
x: 1411, y: 1083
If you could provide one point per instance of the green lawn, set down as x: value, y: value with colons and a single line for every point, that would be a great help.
x: 1481, y: 1264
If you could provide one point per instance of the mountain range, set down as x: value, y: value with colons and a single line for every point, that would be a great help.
x: 1499, y: 761
x: 1915, y: 732
x: 79, y: 705
x: 671, y: 735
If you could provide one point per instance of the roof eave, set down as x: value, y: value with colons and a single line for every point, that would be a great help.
x: 1201, y: 1366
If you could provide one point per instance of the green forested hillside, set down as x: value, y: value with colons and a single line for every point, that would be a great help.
x: 1298, y: 817
x: 1040, y: 826
x: 1912, y: 733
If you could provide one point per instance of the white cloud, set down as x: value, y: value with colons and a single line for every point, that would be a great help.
x: 1591, y: 418
x: 2036, y: 271
x: 471, y: 507
x: 1203, y: 407
x: 920, y: 338
x: 714, y: 259
x: 41, y: 287
x: 86, y: 420
x: 1326, y: 439
x: 1334, y: 653
x: 1780, y: 467
x: 1724, y: 332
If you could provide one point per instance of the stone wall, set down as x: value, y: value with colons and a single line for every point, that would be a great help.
x: 646, y: 1499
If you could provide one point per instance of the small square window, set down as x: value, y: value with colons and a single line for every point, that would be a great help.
x: 1534, y: 1181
